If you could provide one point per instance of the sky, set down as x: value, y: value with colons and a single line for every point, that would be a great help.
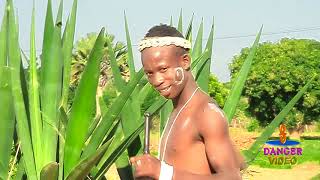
x: 236, y: 22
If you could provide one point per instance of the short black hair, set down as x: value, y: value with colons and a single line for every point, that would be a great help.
x: 163, y: 30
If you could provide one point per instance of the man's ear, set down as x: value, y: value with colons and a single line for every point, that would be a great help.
x: 186, y: 61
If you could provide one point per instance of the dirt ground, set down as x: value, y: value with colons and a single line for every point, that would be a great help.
x: 300, y: 172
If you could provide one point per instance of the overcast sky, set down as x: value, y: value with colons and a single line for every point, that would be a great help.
x: 236, y: 22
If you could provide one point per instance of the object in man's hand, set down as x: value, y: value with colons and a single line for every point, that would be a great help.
x: 147, y: 118
x: 146, y: 149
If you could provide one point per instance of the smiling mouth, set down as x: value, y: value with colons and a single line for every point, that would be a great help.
x: 165, y: 89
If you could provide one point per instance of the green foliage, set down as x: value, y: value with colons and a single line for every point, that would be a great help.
x: 316, y: 177
x: 7, y: 122
x: 84, y: 167
x: 238, y: 85
x: 253, y: 151
x: 81, y: 52
x: 253, y: 125
x: 217, y: 90
x: 81, y: 112
x: 50, y: 171
x: 57, y: 140
x: 14, y: 58
x: 79, y: 60
x: 152, y: 97
x: 109, y: 94
x: 279, y: 71
x: 318, y: 126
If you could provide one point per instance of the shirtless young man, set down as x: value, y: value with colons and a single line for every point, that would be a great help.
x: 195, y: 143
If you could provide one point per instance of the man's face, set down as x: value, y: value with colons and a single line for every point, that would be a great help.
x: 162, y: 66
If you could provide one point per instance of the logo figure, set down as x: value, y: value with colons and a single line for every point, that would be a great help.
x: 283, y: 137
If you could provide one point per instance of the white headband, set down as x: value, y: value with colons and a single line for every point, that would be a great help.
x: 163, y: 41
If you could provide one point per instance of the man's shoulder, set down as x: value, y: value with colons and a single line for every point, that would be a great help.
x: 210, y: 117
x: 208, y: 108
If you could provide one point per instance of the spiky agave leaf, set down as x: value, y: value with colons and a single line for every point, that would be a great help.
x: 50, y: 171
x: 34, y: 100
x: 129, y: 46
x: 236, y: 90
x: 50, y: 83
x: 197, y: 47
x: 83, y: 107
x: 7, y: 119
x: 68, y: 39
x: 108, y: 117
x: 118, y: 81
x: 23, y: 129
x: 180, y: 22
x: 83, y: 168
x: 118, y: 151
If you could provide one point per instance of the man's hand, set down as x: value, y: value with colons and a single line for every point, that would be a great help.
x: 146, y: 166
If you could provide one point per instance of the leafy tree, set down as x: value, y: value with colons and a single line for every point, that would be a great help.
x: 80, y: 55
x: 217, y: 90
x: 279, y: 71
x: 83, y: 48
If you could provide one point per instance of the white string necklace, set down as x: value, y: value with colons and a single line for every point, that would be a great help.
x: 165, y: 128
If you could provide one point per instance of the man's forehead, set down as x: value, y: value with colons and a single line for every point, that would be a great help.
x: 157, y: 53
x: 160, y: 51
x: 158, y: 56
x: 157, y: 61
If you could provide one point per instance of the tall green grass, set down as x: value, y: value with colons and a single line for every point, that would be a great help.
x: 56, y: 142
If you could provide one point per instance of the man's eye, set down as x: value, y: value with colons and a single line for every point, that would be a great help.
x: 163, y: 69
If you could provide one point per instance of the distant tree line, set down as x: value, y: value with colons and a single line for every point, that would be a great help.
x: 278, y: 72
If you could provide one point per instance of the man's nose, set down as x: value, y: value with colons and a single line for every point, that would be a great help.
x: 158, y: 80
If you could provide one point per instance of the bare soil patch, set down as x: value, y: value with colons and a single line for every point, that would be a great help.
x: 299, y: 172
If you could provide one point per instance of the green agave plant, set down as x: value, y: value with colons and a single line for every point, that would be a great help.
x: 54, y: 144
x: 61, y: 143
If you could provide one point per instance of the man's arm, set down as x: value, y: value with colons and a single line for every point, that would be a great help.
x: 213, y: 128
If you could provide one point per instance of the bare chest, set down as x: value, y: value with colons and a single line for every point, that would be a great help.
x: 179, y: 137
